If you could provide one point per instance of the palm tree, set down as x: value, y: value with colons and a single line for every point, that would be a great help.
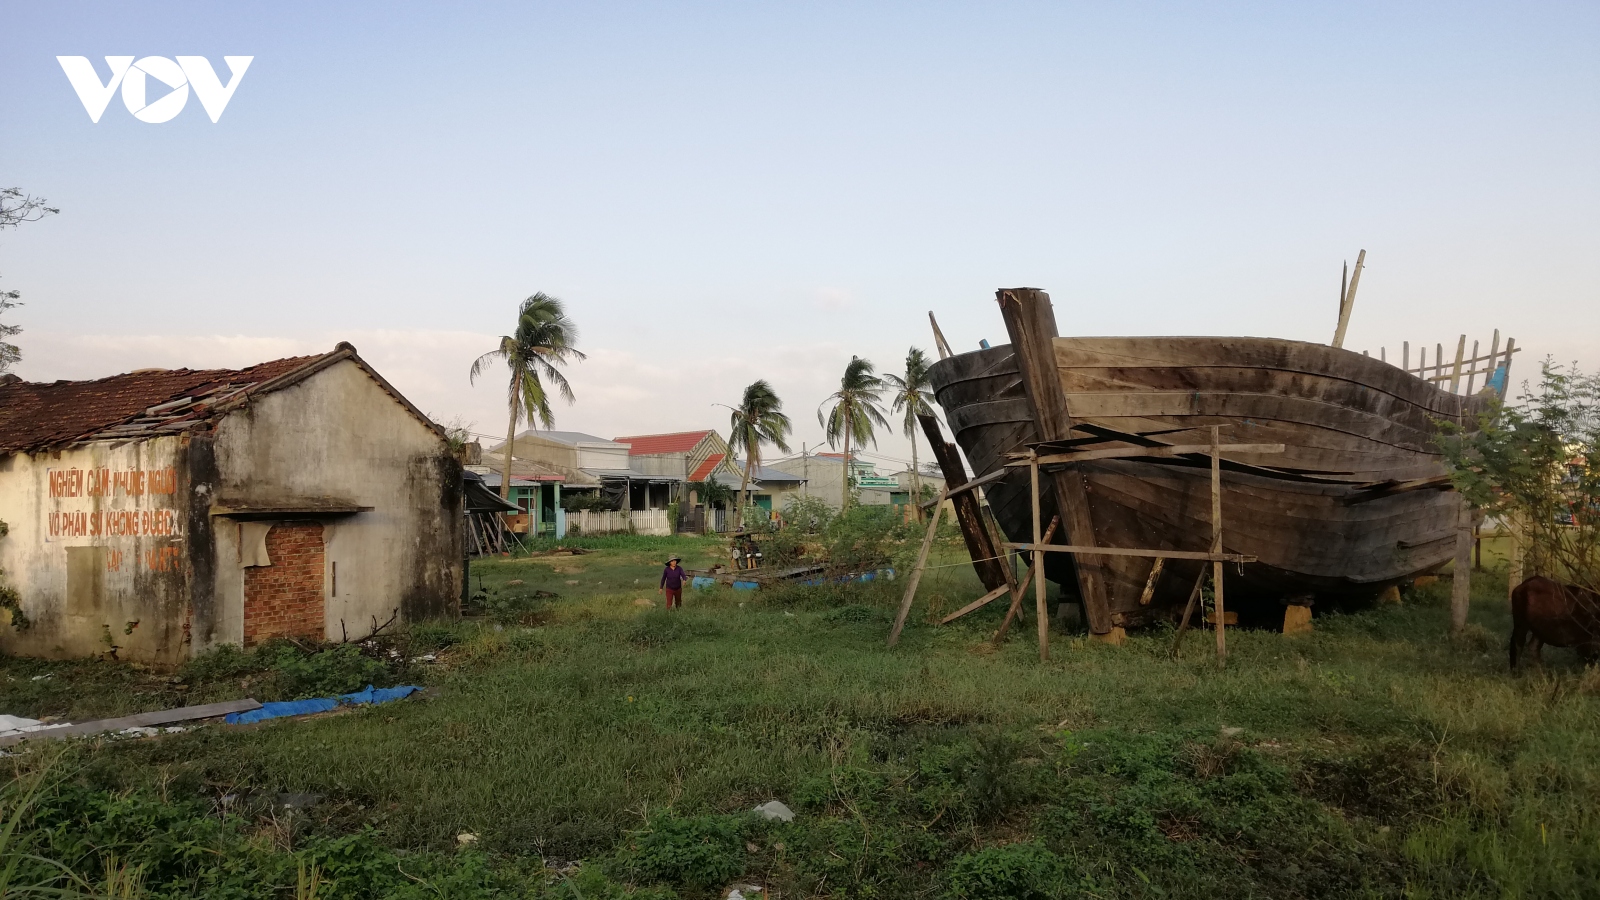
x: 855, y: 410
x: 911, y: 394
x: 758, y: 420
x: 543, y: 339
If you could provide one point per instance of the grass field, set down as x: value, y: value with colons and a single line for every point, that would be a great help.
x: 595, y: 746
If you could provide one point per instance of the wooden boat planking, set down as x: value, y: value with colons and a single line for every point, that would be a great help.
x: 1350, y: 421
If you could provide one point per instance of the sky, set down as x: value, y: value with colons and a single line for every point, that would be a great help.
x: 727, y: 192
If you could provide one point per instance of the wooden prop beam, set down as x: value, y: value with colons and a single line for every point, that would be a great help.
x: 1031, y: 325
x: 916, y: 576
x: 990, y: 478
x: 1188, y: 611
x: 1216, y: 520
x: 968, y: 513
x: 1125, y: 551
x: 1019, y: 591
x: 981, y: 602
x: 1347, y: 302
x: 939, y: 342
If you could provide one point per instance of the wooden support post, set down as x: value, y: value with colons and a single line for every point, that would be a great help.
x: 1188, y: 611
x: 916, y: 576
x: 1455, y: 375
x: 1041, y: 611
x: 1472, y: 369
x: 1511, y: 344
x: 1438, y: 363
x: 1031, y: 325
x: 1405, y: 355
x: 1216, y: 538
x: 980, y: 544
x: 1150, y: 583
x: 938, y: 337
x: 1461, y: 577
x: 1019, y: 591
x: 1348, y: 301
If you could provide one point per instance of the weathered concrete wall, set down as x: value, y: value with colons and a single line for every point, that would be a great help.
x: 338, y: 436
x: 103, y: 542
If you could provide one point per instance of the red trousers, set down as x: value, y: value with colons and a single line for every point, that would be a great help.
x: 674, y: 597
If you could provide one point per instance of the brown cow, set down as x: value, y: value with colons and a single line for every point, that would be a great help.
x: 1557, y: 614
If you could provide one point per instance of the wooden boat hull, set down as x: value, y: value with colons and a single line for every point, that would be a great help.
x: 1322, y: 523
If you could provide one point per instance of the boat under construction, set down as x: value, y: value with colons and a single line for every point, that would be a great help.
x: 1330, y: 479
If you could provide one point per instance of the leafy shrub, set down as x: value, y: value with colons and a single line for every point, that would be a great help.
x: 1012, y: 872
x: 339, y: 669
x: 699, y: 853
x: 860, y: 539
x: 809, y: 515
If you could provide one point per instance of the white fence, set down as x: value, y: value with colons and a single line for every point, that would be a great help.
x: 639, y: 521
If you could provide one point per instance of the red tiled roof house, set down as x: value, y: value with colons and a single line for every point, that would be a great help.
x: 159, y: 513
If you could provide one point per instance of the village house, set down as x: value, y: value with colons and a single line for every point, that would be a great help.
x: 594, y: 465
x: 823, y: 473
x: 684, y: 456
x: 160, y: 513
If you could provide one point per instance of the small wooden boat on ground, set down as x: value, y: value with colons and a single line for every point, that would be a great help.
x: 1357, y: 501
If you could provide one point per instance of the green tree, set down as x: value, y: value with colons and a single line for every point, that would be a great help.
x: 853, y: 410
x: 16, y: 207
x: 757, y: 420
x: 1535, y: 464
x: 542, y: 341
x: 913, y: 396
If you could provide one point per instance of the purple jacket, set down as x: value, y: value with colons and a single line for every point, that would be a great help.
x: 673, y: 578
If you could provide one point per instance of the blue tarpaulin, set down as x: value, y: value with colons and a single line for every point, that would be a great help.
x: 320, y: 704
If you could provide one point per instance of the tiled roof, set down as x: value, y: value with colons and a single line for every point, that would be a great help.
x: 679, y: 442
x: 152, y: 402
x: 707, y: 467
x: 35, y: 415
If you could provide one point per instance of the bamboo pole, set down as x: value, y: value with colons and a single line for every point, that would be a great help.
x: 1216, y: 535
x: 916, y: 576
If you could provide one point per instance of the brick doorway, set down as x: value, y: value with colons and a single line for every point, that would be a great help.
x: 286, y: 599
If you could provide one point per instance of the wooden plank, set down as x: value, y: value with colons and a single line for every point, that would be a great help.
x: 968, y: 514
x: 916, y: 576
x: 1138, y: 452
x: 141, y: 720
x: 980, y: 603
x: 1511, y: 347
x: 1031, y: 325
x: 1123, y: 551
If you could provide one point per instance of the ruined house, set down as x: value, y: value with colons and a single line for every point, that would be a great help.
x: 156, y: 514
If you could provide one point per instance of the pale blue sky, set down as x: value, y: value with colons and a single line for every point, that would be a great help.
x: 725, y: 192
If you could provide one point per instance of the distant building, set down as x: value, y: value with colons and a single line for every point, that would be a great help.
x: 824, y: 472
x: 588, y: 463
x: 769, y: 488
x: 160, y: 513
x: 685, y: 456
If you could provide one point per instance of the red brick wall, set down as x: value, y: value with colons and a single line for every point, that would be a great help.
x: 286, y: 597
